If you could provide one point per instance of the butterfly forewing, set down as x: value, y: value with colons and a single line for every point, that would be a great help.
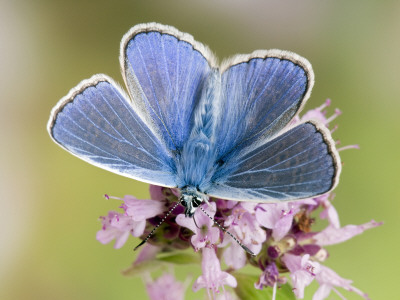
x: 169, y: 68
x: 262, y: 92
x: 97, y: 123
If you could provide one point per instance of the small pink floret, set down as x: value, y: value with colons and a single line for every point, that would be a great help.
x: 213, y: 278
x: 165, y: 287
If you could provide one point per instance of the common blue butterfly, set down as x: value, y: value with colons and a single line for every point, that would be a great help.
x: 207, y: 129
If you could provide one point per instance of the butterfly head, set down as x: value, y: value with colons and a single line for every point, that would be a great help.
x: 190, y: 199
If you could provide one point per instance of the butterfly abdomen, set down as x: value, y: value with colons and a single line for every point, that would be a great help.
x: 196, y: 162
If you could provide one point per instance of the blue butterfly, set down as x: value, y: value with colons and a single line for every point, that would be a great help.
x: 221, y: 131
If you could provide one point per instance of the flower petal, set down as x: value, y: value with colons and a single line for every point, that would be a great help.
x: 329, y: 279
x: 147, y: 252
x: 141, y: 210
x: 121, y: 240
x: 332, y: 235
x: 323, y: 291
x: 302, y: 272
x: 282, y: 227
x: 156, y: 192
x: 234, y: 256
x: 187, y: 222
x: 213, y: 277
x: 166, y: 288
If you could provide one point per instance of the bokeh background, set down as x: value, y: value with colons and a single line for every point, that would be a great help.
x: 50, y: 201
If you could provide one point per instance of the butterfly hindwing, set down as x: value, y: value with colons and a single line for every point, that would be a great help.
x: 97, y: 123
x: 168, y: 68
x: 300, y: 163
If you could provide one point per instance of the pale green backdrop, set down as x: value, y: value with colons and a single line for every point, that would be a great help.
x: 50, y: 200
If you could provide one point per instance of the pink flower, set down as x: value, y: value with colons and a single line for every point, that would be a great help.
x: 156, y: 192
x: 276, y: 216
x: 119, y: 226
x: 269, y: 277
x: 205, y: 233
x: 140, y: 210
x: 329, y: 211
x: 165, y: 288
x: 279, y: 216
x: 161, y: 193
x: 213, y: 277
x: 242, y: 224
x: 234, y: 255
x: 302, y: 271
x: 148, y: 252
x: 328, y: 280
x: 332, y: 235
x: 319, y: 114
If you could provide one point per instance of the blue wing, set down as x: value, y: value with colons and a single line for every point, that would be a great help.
x: 300, y: 163
x: 98, y: 124
x: 165, y: 70
x: 261, y: 93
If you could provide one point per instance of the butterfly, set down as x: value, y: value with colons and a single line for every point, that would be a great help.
x: 207, y: 129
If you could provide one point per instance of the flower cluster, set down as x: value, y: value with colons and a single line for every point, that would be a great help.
x: 279, y: 234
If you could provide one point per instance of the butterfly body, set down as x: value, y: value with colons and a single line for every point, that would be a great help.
x: 197, y: 159
x: 223, y: 131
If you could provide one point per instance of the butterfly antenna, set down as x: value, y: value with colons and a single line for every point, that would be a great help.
x: 230, y: 234
x: 158, y: 225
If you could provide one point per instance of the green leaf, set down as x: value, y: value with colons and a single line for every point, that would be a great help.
x: 246, y: 289
x: 179, y: 258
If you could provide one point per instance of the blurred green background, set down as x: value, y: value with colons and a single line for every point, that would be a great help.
x: 50, y: 200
